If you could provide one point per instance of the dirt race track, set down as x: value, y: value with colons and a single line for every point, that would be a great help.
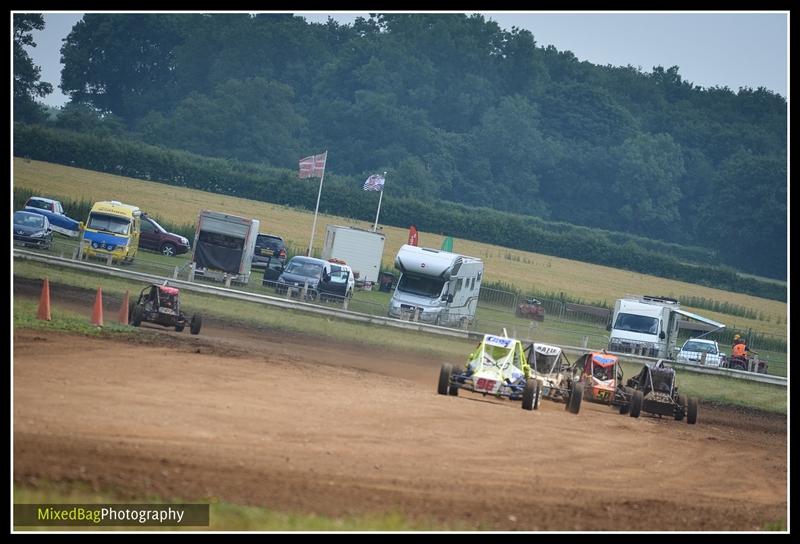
x: 297, y: 425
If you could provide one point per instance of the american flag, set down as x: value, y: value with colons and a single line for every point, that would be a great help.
x: 313, y: 166
x: 374, y: 183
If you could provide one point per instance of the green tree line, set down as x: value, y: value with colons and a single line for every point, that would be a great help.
x: 456, y: 110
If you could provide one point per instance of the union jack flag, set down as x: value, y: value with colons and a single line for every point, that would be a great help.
x: 313, y: 166
x: 374, y: 183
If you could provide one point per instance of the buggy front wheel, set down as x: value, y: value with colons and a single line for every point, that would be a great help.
x: 136, y: 315
x: 530, y: 394
x: 179, y: 325
x: 636, y: 403
x: 444, y: 378
x: 575, y: 398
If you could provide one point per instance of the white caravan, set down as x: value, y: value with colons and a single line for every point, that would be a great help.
x: 436, y: 287
x: 361, y: 249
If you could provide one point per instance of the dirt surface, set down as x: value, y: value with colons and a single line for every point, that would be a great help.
x: 298, y: 425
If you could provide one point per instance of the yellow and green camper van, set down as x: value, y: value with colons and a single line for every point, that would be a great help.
x: 112, y: 229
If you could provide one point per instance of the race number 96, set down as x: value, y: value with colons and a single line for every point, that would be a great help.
x: 485, y: 384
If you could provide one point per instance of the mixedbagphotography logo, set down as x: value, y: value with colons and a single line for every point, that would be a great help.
x: 111, y: 515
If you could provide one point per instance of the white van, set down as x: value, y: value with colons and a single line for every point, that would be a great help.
x: 436, y: 286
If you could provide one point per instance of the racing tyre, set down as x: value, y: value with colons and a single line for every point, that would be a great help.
x: 444, y: 378
x: 452, y: 390
x: 196, y: 323
x: 625, y: 407
x: 575, y: 398
x: 179, y: 326
x: 168, y: 249
x: 136, y: 315
x: 680, y: 409
x: 529, y: 394
x: 691, y: 411
x: 636, y: 403
x: 538, y: 397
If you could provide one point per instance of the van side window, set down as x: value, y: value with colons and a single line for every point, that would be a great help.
x: 459, y: 282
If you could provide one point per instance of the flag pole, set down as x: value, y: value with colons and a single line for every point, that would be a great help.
x: 319, y: 194
x: 380, y: 199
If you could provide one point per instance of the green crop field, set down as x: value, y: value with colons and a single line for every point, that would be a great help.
x: 524, y: 270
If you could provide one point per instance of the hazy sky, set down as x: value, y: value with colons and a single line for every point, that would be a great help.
x: 734, y: 49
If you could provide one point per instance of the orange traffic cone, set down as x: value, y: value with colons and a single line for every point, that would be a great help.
x: 97, y: 312
x: 123, y: 311
x: 44, y: 302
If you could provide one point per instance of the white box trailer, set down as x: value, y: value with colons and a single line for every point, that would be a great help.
x: 361, y: 249
x: 223, y: 246
x: 436, y: 286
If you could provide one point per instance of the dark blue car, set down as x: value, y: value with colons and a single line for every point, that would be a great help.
x: 32, y: 230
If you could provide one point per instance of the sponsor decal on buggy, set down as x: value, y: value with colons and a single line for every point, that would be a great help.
x: 165, y: 310
x: 498, y: 341
x: 604, y: 360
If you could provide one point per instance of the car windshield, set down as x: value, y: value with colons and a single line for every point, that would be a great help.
x: 637, y: 323
x: 420, y: 285
x: 29, y: 220
x: 700, y: 347
x: 307, y: 269
x: 339, y: 274
x: 41, y: 204
x: 108, y: 223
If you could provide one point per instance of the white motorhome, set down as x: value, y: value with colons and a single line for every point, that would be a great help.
x: 648, y: 325
x: 223, y: 246
x: 361, y: 249
x: 436, y: 286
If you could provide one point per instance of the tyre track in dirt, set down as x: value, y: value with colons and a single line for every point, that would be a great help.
x: 296, y: 424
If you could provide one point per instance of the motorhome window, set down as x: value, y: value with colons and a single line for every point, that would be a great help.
x: 308, y: 270
x: 109, y: 223
x: 420, y: 285
x: 479, y: 276
x: 637, y: 323
x: 472, y: 284
x: 220, y: 240
x: 458, y: 285
x: 456, y: 268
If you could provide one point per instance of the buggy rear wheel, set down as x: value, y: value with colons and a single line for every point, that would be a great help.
x: 530, y: 394
x: 180, y: 325
x: 539, y: 387
x: 575, y: 398
x: 444, y: 378
x: 691, y: 411
x: 636, y: 403
x: 196, y: 323
x: 680, y: 409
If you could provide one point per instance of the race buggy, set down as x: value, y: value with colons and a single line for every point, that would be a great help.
x: 161, y: 305
x: 656, y: 382
x: 558, y: 378
x: 601, y: 376
x: 497, y: 367
x: 531, y: 309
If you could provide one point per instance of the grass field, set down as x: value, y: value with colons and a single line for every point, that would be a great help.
x: 525, y: 270
x: 425, y: 346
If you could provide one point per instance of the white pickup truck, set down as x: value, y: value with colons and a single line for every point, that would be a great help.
x: 700, y: 351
